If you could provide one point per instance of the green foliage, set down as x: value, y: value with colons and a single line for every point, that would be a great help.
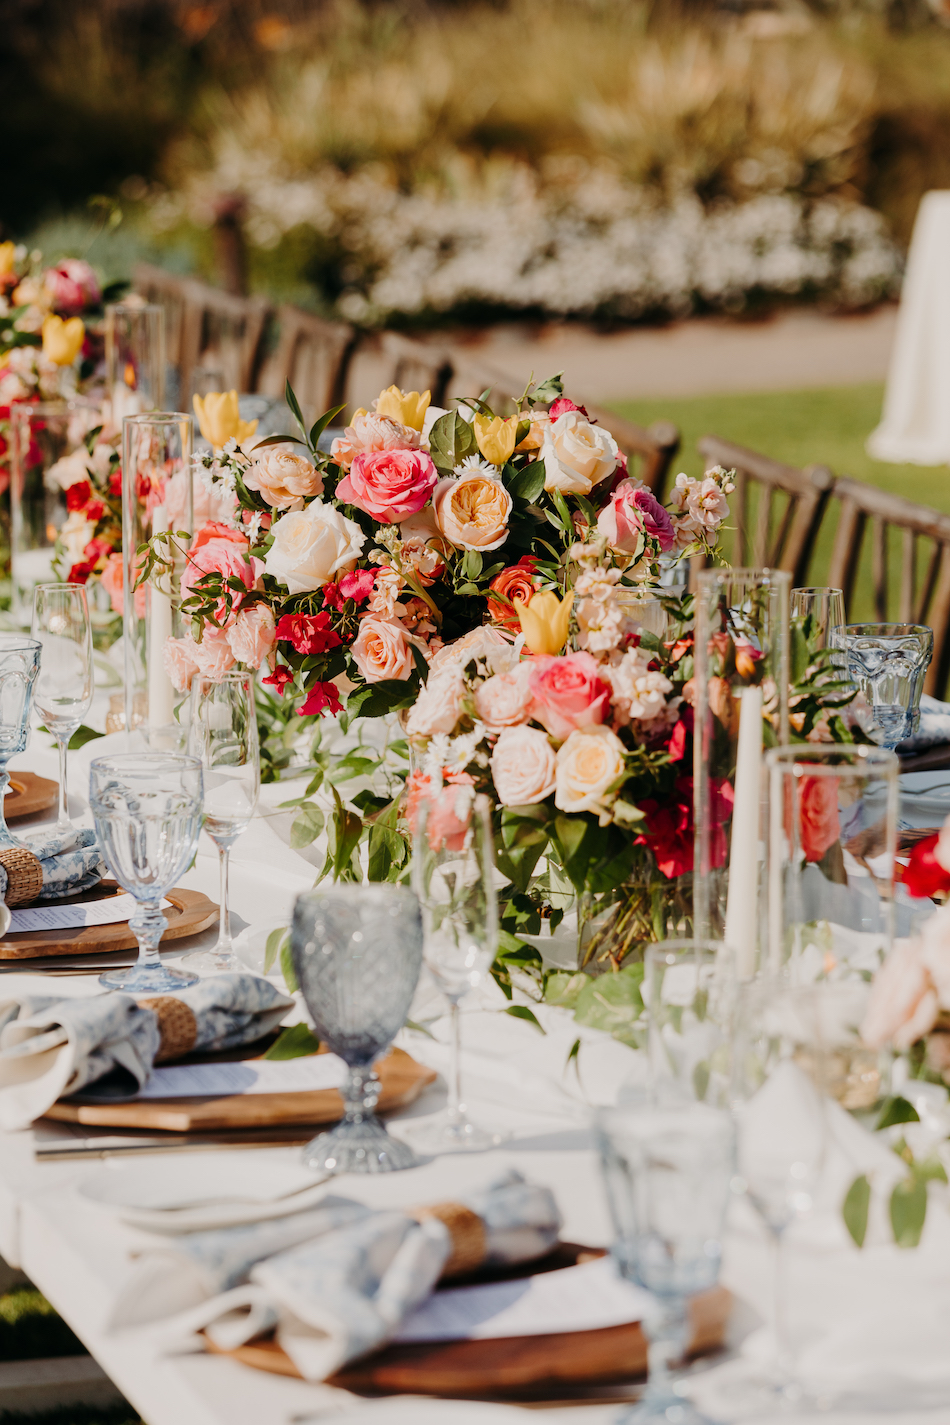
x: 81, y: 736
x: 294, y: 1043
x: 30, y: 1329
x: 896, y: 1110
x: 855, y: 1209
x: 613, y: 1002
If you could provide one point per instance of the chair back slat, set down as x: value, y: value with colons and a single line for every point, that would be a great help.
x: 169, y: 291
x: 879, y: 566
x: 313, y: 354
x: 418, y: 366
x: 908, y: 575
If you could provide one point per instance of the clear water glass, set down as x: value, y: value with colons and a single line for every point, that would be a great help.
x: 147, y: 812
x: 453, y: 875
x: 63, y: 691
x: 889, y: 661
x: 19, y: 666
x: 357, y: 954
x: 689, y: 987
x: 668, y: 1171
x: 823, y: 605
x: 223, y: 736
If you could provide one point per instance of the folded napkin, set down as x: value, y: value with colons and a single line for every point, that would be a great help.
x: 51, y: 1047
x: 47, y: 867
x: 337, y: 1281
x: 933, y: 728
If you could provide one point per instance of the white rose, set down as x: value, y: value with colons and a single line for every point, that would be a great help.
x: 577, y: 455
x: 437, y: 707
x: 523, y: 766
x: 76, y: 534
x: 311, y: 546
x: 69, y: 469
x: 505, y: 700
x: 587, y: 763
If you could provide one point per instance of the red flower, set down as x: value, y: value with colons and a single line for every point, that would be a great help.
x: 280, y: 677
x: 309, y: 633
x: 923, y: 875
x: 115, y: 481
x: 97, y: 549
x: 819, y: 826
x: 95, y: 510
x: 77, y: 495
x: 356, y: 586
x: 321, y: 697
x: 564, y: 403
x: 677, y: 746
x: 79, y: 573
x: 670, y: 828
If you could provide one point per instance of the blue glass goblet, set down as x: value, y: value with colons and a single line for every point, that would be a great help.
x: 888, y: 661
x: 19, y: 666
x: 357, y: 953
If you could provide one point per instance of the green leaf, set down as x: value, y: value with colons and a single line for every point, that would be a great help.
x: 701, y: 1079
x: 294, y: 1043
x: 318, y: 427
x: 287, y: 966
x: 471, y: 564
x: 897, y: 1110
x: 294, y: 405
x: 307, y: 826
x: 854, y: 1209
x: 279, y: 440
x: 526, y: 484
x: 347, y: 828
x: 81, y: 736
x: 388, y: 853
x: 521, y: 1011
x: 563, y: 987
x: 273, y: 946
x: 574, y: 1057
x: 451, y: 440
x: 908, y: 1211
x: 549, y: 390
x: 614, y: 1003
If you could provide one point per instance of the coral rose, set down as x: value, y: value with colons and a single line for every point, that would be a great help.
x: 505, y: 700
x: 438, y: 705
x: 227, y: 557
x: 390, y: 485
x: 523, y: 766
x: 311, y: 546
x: 589, y: 761
x: 819, y: 826
x: 472, y: 510
x: 569, y: 693
x: 252, y: 636
x: 631, y: 513
x: 283, y: 478
x: 381, y: 650
x: 517, y: 582
x: 577, y: 455
x: 372, y: 432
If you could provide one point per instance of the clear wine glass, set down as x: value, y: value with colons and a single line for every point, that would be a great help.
x: 824, y: 605
x: 667, y: 1172
x: 357, y: 954
x: 19, y: 666
x: 147, y: 812
x: 64, y: 688
x: 453, y: 876
x: 689, y: 987
x: 224, y: 738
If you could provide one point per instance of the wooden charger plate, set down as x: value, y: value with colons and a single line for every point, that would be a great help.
x: 515, y: 1367
x: 401, y: 1078
x: 188, y: 913
x: 29, y: 795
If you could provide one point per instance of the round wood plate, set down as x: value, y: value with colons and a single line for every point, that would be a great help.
x: 188, y: 913
x: 29, y: 795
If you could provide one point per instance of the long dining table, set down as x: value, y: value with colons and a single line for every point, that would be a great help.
x: 880, y: 1313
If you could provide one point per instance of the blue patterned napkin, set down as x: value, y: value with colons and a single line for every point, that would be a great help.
x: 70, y: 861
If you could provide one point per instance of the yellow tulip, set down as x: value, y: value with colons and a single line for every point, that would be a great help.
x: 62, y: 341
x: 496, y: 438
x: 7, y: 258
x: 407, y: 407
x: 219, y: 420
x: 545, y: 621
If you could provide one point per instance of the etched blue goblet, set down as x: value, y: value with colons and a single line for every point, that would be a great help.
x: 357, y: 953
x: 19, y: 666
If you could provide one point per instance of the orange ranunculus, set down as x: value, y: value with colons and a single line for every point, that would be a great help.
x: 519, y: 581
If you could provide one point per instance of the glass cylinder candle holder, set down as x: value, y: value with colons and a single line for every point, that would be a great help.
x: 832, y: 845
x: 157, y: 495
x: 135, y: 358
x: 741, y: 706
x: 824, y: 606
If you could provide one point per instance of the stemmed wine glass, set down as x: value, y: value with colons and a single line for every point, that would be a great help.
x: 667, y: 1173
x: 19, y: 665
x: 357, y: 954
x: 224, y: 738
x: 147, y: 811
x: 64, y: 688
x: 453, y: 876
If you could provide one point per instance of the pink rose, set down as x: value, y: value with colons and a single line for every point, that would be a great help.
x: 227, y: 556
x: 505, y: 700
x: 903, y: 1002
x: 633, y: 511
x: 282, y: 478
x: 252, y: 636
x: 72, y: 286
x: 523, y: 766
x: 568, y: 693
x: 390, y: 485
x: 178, y: 659
x: 217, y: 504
x: 111, y: 581
x: 381, y: 650
x: 213, y: 654
x: 369, y: 433
x: 438, y: 705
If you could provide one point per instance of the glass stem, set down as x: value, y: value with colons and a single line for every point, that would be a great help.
x: 454, y: 1106
x: 223, y: 946
x: 784, y: 1353
x: 360, y: 1093
x: 63, y: 824
x: 667, y: 1333
x: 148, y: 926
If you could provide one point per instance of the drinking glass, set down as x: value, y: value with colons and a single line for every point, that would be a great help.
x: 224, y: 739
x: 357, y: 954
x: 888, y: 662
x: 823, y: 605
x: 453, y: 876
x: 19, y: 665
x: 667, y: 1173
x: 689, y: 987
x: 147, y: 812
x: 64, y: 688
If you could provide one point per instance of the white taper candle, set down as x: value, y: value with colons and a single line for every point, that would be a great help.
x: 743, y: 894
x: 161, y: 694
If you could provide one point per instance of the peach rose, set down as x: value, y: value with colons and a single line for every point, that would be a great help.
x: 903, y: 1002
x: 213, y: 654
x: 483, y: 643
x: 179, y: 662
x: 381, y: 650
x: 568, y: 693
x: 505, y: 700
x: 283, y: 478
x: 472, y: 510
x: 577, y: 455
x: 523, y: 766
x: 390, y: 485
x: 111, y: 581
x: 632, y: 512
x: 371, y: 432
x: 252, y: 636
x: 540, y: 420
x: 589, y: 761
x: 517, y: 582
x: 438, y: 705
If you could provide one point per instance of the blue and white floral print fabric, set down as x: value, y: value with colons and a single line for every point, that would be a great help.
x: 336, y: 1281
x: 51, y: 1047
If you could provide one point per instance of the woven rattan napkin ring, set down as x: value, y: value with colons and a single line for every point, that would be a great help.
x: 176, y: 1025
x: 24, y: 875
